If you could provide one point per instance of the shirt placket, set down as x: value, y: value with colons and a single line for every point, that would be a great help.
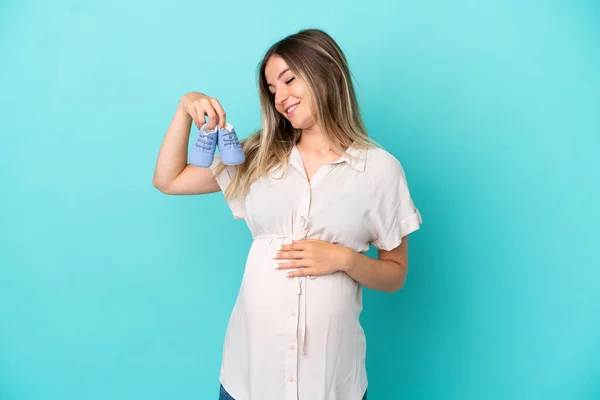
x: 296, y: 318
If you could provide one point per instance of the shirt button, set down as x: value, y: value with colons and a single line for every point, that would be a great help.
x: 291, y: 379
x: 292, y: 347
x: 293, y: 313
x: 304, y: 222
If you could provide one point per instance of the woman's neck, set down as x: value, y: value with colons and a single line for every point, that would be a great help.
x: 313, y: 141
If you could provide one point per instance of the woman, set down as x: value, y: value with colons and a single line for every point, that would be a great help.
x: 315, y: 192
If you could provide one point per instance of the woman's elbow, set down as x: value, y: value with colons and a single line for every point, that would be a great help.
x: 398, y: 283
x: 161, y: 186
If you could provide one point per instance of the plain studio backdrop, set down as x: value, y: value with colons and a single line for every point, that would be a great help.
x: 110, y: 289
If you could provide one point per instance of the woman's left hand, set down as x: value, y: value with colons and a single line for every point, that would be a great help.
x: 313, y: 257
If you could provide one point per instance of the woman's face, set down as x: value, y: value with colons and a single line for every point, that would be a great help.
x: 292, y: 98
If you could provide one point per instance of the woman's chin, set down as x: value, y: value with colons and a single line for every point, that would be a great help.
x: 301, y: 125
x: 298, y: 123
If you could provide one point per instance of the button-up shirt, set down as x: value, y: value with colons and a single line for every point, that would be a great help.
x: 300, y: 338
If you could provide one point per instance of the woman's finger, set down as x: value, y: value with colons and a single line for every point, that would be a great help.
x: 220, y: 112
x: 303, y: 272
x: 199, y: 118
x: 211, y: 113
x: 289, y: 255
x: 296, y: 245
x: 290, y: 265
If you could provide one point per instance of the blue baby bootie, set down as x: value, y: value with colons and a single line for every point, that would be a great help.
x: 202, y: 152
x: 230, y: 148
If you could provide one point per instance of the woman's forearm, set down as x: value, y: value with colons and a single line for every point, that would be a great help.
x: 382, y: 275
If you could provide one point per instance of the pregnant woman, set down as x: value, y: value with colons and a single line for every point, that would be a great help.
x: 316, y: 192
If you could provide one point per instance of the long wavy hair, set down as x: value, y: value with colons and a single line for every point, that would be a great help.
x: 317, y: 59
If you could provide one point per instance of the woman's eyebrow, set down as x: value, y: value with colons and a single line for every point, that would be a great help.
x: 280, y: 75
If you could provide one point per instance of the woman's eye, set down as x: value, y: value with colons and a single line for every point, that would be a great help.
x: 286, y: 82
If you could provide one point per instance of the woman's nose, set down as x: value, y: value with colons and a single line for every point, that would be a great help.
x: 281, y: 95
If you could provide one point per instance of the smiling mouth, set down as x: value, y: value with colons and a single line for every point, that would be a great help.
x: 291, y: 109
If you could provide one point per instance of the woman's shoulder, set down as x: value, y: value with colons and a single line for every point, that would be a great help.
x: 379, y: 160
x: 383, y: 171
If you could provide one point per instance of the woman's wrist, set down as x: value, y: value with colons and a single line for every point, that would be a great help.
x: 349, y: 259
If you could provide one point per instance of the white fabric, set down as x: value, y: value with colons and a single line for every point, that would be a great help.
x: 300, y: 338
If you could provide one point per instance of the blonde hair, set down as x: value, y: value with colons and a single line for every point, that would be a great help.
x: 318, y: 60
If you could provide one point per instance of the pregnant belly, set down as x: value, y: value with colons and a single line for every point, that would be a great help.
x: 267, y: 292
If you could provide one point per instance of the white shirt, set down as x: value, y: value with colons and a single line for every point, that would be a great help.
x: 300, y: 338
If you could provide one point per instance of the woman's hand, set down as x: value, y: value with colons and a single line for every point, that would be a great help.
x: 314, y: 257
x: 199, y: 105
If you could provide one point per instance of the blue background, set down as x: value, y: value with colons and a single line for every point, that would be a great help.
x: 111, y: 290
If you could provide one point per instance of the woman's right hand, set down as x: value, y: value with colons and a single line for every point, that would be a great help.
x: 173, y: 174
x: 199, y: 106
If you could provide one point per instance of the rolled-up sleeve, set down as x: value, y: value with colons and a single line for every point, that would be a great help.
x: 393, y: 213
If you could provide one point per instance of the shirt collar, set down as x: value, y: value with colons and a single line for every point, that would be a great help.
x: 354, y: 157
